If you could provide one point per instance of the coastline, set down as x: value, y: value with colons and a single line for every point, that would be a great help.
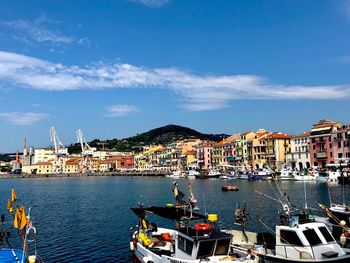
x: 18, y: 176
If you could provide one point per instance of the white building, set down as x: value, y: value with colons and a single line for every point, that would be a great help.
x: 299, y: 157
x: 43, y: 155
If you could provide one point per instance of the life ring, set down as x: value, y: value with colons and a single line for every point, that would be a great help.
x: 202, y: 227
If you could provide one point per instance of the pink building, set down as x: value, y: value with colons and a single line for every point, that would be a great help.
x: 322, y: 142
x: 204, y: 152
x: 340, y: 145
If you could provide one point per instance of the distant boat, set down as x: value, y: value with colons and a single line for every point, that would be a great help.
x: 176, y: 175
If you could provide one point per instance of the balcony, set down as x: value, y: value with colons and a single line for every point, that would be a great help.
x: 321, y: 155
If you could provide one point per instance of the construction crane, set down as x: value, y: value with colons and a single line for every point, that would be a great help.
x: 86, y: 152
x: 60, y: 151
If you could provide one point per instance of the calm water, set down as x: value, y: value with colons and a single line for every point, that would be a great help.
x: 88, y: 219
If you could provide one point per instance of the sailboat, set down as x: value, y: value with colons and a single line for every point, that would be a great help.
x: 27, y: 233
x: 195, y: 238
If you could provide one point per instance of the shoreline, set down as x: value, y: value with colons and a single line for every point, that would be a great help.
x: 19, y: 176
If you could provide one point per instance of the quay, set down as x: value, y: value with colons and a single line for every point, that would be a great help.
x: 118, y: 173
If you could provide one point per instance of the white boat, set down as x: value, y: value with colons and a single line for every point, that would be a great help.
x: 192, y: 174
x: 298, y: 176
x: 333, y: 176
x: 176, y: 175
x: 196, y: 238
x: 285, y: 174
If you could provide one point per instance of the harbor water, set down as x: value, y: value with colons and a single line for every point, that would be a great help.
x: 88, y: 219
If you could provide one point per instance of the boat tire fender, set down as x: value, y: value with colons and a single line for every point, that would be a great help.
x: 202, y: 227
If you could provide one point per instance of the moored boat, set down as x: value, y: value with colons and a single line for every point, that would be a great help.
x: 195, y: 237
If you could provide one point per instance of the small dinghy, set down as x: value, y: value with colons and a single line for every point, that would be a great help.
x: 229, y: 188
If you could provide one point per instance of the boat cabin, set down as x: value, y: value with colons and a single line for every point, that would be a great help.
x: 306, y: 241
x: 200, y: 241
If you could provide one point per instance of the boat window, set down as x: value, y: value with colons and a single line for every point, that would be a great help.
x: 222, y: 247
x: 326, y: 234
x: 185, y: 245
x: 206, y: 248
x: 290, y: 237
x: 312, y: 237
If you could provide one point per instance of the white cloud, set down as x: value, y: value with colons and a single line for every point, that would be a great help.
x: 197, y: 92
x: 153, y: 3
x: 38, y: 30
x: 36, y: 105
x: 120, y: 110
x: 23, y: 118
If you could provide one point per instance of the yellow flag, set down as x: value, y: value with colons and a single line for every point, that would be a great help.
x: 16, y: 219
x: 9, y: 206
x: 23, y: 219
x: 13, y: 195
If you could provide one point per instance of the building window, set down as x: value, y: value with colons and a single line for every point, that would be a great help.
x: 339, y: 144
x: 331, y: 154
x: 340, y: 155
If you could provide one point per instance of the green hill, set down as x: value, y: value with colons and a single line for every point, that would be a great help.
x: 162, y: 135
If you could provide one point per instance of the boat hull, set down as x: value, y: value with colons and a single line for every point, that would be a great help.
x: 274, y: 259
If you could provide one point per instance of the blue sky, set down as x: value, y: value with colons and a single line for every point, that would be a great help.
x: 115, y: 68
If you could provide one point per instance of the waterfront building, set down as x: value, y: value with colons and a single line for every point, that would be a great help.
x: 242, y: 153
x: 204, y: 152
x: 106, y: 166
x: 43, y: 155
x: 278, y: 144
x: 72, y: 166
x: 259, y: 150
x: 122, y: 161
x: 140, y: 161
x: 229, y: 149
x: 341, y: 145
x: 299, y: 155
x: 218, y: 154
x: 43, y: 168
x: 322, y: 142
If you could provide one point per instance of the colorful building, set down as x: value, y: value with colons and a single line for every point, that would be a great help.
x: 299, y: 155
x: 323, y: 142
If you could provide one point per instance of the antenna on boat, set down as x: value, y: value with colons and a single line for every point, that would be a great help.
x: 305, y: 195
x: 205, y: 207
x: 329, y: 195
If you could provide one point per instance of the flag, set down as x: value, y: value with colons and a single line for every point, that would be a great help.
x: 9, y: 206
x: 20, y: 220
x: 178, y: 195
x: 13, y: 195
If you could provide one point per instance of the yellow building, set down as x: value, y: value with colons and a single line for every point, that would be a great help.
x: 218, y: 154
x: 43, y: 167
x: 278, y: 147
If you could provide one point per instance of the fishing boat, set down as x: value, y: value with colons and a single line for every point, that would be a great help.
x: 297, y: 238
x: 22, y: 221
x: 195, y: 237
